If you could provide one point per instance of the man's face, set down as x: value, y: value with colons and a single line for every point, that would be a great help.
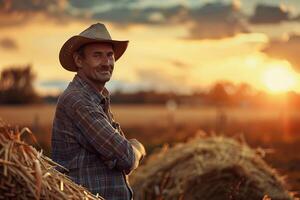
x: 98, y: 62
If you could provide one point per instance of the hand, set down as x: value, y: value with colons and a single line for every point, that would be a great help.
x: 135, y: 143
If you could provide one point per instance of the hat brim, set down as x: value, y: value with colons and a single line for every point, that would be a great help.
x: 72, y: 45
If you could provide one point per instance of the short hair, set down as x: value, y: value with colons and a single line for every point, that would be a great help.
x: 80, y: 50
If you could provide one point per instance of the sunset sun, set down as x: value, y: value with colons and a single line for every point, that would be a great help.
x: 279, y: 79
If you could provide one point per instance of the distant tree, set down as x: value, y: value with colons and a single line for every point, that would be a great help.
x: 244, y: 90
x: 219, y: 94
x: 16, y: 86
x: 243, y: 94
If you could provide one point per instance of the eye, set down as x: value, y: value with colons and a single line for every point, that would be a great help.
x: 97, y: 55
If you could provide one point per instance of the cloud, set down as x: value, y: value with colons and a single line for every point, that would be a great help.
x: 8, y: 44
x: 15, y: 12
x: 209, y: 21
x: 148, y: 15
x: 216, y: 21
x: 267, y: 14
x: 123, y: 15
x: 32, y: 5
x: 287, y: 50
x: 86, y: 4
x: 123, y: 12
x: 100, y: 4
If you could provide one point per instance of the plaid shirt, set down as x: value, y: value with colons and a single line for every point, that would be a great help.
x: 90, y: 144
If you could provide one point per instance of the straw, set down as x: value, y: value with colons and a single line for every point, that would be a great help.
x: 214, y: 168
x: 28, y: 174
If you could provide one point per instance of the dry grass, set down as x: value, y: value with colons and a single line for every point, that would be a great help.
x: 28, y: 174
x: 214, y: 168
x: 155, y: 125
x: 144, y: 114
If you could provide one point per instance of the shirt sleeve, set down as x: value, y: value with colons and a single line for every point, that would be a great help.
x: 93, y: 124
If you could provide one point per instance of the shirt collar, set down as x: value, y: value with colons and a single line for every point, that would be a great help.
x: 103, y: 96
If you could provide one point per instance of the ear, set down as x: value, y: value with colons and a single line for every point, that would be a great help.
x: 77, y: 59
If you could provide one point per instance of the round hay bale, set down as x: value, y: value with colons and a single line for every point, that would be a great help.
x: 27, y: 174
x: 214, y: 168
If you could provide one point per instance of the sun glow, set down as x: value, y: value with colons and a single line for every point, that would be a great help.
x: 279, y: 79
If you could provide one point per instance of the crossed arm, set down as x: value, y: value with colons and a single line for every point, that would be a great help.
x: 105, y: 139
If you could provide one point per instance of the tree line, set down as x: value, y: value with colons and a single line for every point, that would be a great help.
x: 16, y: 87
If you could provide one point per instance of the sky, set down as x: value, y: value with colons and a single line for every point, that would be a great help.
x: 175, y: 45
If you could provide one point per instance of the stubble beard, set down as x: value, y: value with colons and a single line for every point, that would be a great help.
x: 101, y: 76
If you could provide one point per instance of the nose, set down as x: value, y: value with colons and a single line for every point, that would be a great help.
x: 105, y: 60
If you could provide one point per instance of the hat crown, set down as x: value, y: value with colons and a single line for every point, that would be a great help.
x: 96, y: 31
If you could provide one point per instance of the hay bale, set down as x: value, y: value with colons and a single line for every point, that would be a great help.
x: 214, y: 168
x: 27, y: 174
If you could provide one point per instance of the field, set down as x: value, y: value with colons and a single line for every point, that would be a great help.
x: 277, y: 131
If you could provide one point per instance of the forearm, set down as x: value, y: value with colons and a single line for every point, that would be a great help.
x: 104, y: 138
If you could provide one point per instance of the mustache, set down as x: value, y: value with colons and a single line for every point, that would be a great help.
x: 101, y: 67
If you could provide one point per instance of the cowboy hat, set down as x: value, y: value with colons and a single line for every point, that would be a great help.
x: 95, y: 33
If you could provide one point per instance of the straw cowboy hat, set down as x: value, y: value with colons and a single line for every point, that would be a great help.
x: 95, y: 33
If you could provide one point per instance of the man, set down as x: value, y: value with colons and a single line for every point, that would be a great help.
x: 85, y: 138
